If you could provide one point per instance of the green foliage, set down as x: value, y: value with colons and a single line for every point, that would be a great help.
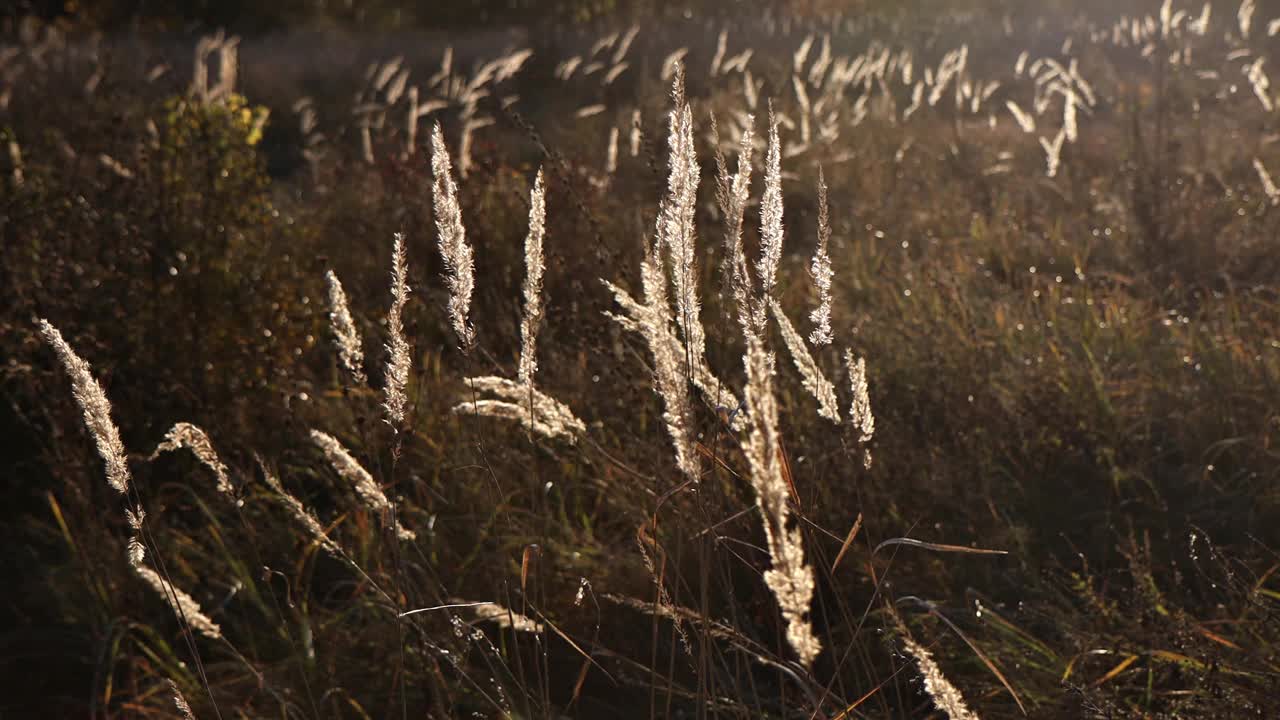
x: 209, y: 168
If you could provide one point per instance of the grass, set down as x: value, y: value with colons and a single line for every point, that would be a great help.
x: 1078, y: 372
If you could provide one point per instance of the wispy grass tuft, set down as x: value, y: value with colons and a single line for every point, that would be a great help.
x: 820, y: 271
x: 186, y: 435
x: 946, y: 697
x: 810, y: 374
x: 95, y: 406
x: 534, y: 267
x: 454, y: 249
x: 397, y: 373
x: 347, y: 337
x: 361, y: 481
x: 185, y: 607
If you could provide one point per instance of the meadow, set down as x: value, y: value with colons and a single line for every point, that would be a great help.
x: 898, y: 363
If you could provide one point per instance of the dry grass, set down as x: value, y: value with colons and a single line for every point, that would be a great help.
x: 1048, y: 273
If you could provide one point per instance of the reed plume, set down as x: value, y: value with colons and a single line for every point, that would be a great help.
x: 733, y: 194
x: 95, y: 406
x: 820, y: 271
x: 946, y: 697
x: 346, y: 336
x: 810, y: 374
x: 521, y: 400
x: 634, y: 318
x: 1053, y: 152
x: 15, y: 160
x: 184, y: 606
x: 674, y: 233
x: 670, y: 62
x: 526, y: 404
x: 1268, y: 185
x: 534, y: 266
x: 1069, y: 125
x: 789, y: 578
x: 1200, y: 25
x: 860, y: 409
x: 770, y: 220
x: 505, y: 618
x: 676, y: 229
x: 365, y: 486
x: 301, y: 514
x: 397, y: 372
x: 1260, y: 82
x: 1244, y: 16
x: 180, y: 702
x: 516, y: 412
x: 1025, y: 120
x: 669, y: 382
x: 186, y: 435
x: 136, y: 551
x: 458, y: 262
x: 611, y: 153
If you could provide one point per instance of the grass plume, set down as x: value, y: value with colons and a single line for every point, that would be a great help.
x: 346, y: 336
x: 396, y: 383
x: 454, y: 249
x: 361, y: 481
x: 95, y: 407
x: 186, y: 435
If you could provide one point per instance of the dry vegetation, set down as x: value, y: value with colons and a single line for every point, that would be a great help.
x: 883, y: 366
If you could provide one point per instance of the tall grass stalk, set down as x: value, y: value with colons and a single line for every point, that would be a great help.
x: 454, y: 249
x: 396, y: 381
x: 820, y: 271
x: 345, y: 333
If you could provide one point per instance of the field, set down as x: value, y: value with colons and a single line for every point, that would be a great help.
x: 783, y: 363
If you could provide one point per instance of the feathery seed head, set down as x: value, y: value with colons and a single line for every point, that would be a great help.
x: 1053, y: 152
x: 186, y: 435
x: 351, y: 470
x: 397, y: 372
x: 184, y: 606
x: 136, y: 552
x: 676, y: 229
x: 860, y: 408
x: 300, y: 513
x: 820, y: 271
x: 789, y: 578
x: 733, y: 194
x: 534, y: 266
x: 493, y: 612
x: 180, y: 702
x: 1069, y: 125
x: 611, y: 153
x: 635, y: 318
x: 95, y: 406
x: 522, y: 402
x: 1268, y: 185
x: 945, y: 696
x: 347, y: 337
x: 457, y: 254
x: 770, y: 218
x: 669, y: 382
x: 811, y: 375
